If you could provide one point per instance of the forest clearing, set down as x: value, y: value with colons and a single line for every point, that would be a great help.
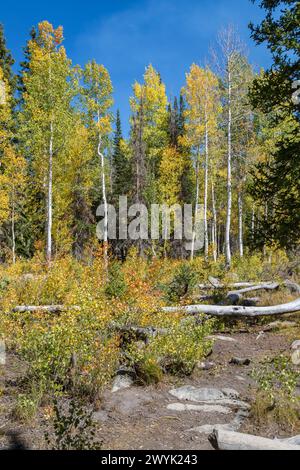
x: 150, y: 279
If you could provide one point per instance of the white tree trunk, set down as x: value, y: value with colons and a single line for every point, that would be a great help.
x: 229, y: 189
x: 104, y: 198
x: 240, y: 216
x: 253, y: 224
x: 236, y: 310
x: 49, y: 197
x: 205, y: 191
x: 222, y: 439
x: 196, y: 210
x: 266, y: 219
x: 13, y: 235
x: 214, y: 222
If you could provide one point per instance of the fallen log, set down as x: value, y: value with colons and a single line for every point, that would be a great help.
x: 236, y: 295
x: 231, y: 284
x: 236, y: 310
x: 293, y: 287
x: 44, y: 308
x: 222, y: 439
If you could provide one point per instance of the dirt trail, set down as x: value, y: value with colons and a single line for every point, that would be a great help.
x: 139, y: 417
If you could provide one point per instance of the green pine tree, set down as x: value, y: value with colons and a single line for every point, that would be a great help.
x: 278, y: 179
x: 121, y: 168
x: 6, y: 61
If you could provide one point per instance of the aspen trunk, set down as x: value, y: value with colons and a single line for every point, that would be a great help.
x: 13, y: 232
x: 266, y: 219
x: 214, y: 222
x: 236, y: 310
x: 223, y: 439
x: 253, y: 224
x: 240, y: 216
x: 196, y: 210
x: 49, y: 197
x: 104, y: 198
x: 229, y: 189
x: 205, y: 191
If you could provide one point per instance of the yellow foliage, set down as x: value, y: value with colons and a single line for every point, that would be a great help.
x: 202, y: 95
x: 170, y: 170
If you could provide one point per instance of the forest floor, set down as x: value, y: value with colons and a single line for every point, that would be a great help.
x: 139, y: 418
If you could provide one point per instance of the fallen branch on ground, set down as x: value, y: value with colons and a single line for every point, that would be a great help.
x: 45, y: 308
x: 293, y: 287
x: 236, y: 295
x: 237, y: 310
x: 230, y: 440
x: 231, y: 284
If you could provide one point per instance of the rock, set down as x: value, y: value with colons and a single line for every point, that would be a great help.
x: 234, y: 425
x: 296, y: 344
x: 221, y: 338
x: 206, y: 365
x: 203, y: 408
x: 295, y: 357
x: 239, y: 361
x: 121, y: 382
x: 211, y: 396
x: 191, y: 393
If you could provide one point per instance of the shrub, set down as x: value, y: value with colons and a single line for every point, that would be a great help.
x: 26, y: 407
x: 73, y: 428
x: 176, y: 352
x: 277, y: 399
x: 183, y: 282
x: 116, y: 285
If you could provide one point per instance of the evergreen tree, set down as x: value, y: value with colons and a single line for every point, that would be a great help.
x: 181, y: 118
x: 278, y: 178
x: 25, y: 64
x: 121, y: 173
x: 6, y: 61
x: 173, y: 123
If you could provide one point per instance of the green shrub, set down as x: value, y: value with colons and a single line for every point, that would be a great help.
x: 26, y: 406
x: 276, y: 398
x: 73, y: 428
x: 176, y: 352
x: 182, y: 283
x: 116, y: 285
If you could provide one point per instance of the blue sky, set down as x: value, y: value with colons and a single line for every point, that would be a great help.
x: 126, y: 35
